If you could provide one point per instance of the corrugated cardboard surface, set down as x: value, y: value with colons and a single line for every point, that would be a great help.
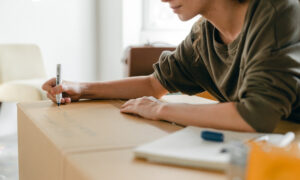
x: 90, y: 140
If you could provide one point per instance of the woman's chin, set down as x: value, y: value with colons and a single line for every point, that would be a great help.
x: 184, y: 18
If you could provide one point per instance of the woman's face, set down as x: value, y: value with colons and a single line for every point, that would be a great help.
x: 187, y: 9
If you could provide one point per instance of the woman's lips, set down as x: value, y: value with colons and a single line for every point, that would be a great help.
x: 175, y: 8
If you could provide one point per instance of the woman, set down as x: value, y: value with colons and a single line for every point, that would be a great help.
x: 246, y: 53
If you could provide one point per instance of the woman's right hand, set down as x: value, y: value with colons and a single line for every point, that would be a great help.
x: 71, y: 91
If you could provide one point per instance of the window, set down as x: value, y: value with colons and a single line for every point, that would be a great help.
x: 161, y: 25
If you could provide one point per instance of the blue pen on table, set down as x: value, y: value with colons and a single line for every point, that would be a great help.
x: 212, y: 136
x: 58, y: 82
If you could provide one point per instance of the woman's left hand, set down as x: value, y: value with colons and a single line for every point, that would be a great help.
x: 147, y: 107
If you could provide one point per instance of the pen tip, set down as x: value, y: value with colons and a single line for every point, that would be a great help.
x: 58, y: 104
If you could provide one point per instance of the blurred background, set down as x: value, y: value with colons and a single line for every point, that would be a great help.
x: 88, y: 37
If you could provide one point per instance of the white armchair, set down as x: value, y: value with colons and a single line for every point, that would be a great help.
x: 22, y: 73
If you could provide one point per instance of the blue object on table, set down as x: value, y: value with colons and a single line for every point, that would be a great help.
x: 212, y: 136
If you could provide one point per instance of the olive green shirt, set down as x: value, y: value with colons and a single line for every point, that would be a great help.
x: 260, y: 70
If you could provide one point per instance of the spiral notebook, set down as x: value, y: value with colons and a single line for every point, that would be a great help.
x: 186, y: 148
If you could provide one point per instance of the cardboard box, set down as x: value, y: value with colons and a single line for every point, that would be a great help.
x: 90, y: 140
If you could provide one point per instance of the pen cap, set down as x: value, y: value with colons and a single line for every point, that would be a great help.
x: 58, y: 74
x: 58, y: 68
x: 212, y: 136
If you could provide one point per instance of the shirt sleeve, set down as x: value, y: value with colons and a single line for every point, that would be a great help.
x: 270, y: 88
x: 270, y: 91
x: 173, y: 70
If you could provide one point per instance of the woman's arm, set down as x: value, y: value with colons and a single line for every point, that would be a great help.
x: 219, y: 116
x: 128, y: 88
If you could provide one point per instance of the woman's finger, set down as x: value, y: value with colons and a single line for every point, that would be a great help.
x: 128, y: 102
x: 57, y: 89
x: 153, y: 99
x: 48, y: 85
x: 51, y: 97
x: 62, y: 101
x: 68, y: 100
x: 127, y: 109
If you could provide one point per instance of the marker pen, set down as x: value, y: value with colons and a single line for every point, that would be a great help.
x: 58, y: 82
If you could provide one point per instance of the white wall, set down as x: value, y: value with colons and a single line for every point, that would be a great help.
x: 119, y: 25
x: 132, y: 22
x: 161, y: 25
x: 65, y: 30
x: 109, y: 39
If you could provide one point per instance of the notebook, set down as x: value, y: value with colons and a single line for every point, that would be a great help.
x: 186, y: 148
